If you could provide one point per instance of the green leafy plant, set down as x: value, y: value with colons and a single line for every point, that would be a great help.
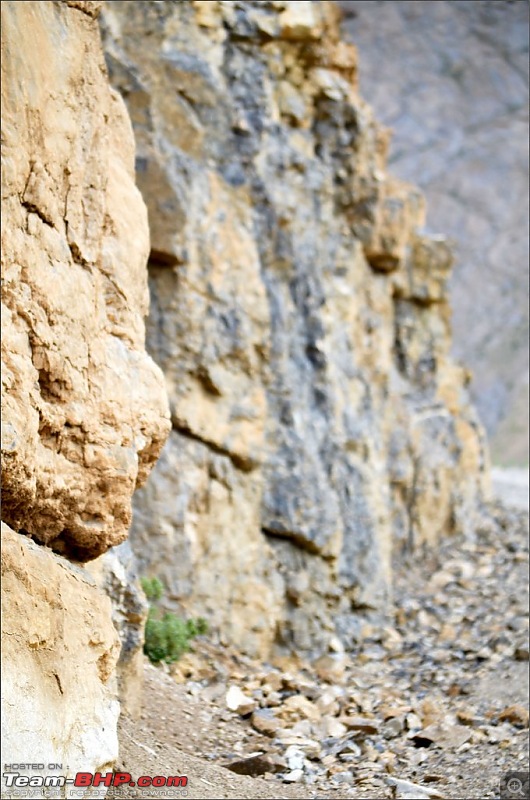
x: 153, y: 588
x: 167, y: 637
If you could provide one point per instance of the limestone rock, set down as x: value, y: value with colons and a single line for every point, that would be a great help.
x: 84, y: 408
x: 213, y: 522
x: 301, y: 318
x: 236, y: 700
x: 405, y: 790
x: 400, y: 212
x: 116, y: 572
x: 59, y: 652
x: 300, y: 20
x: 90, y: 7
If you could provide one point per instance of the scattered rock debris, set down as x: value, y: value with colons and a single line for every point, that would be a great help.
x: 433, y: 705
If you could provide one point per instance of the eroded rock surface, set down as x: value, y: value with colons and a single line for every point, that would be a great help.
x: 115, y: 572
x: 59, y: 652
x: 301, y: 320
x: 84, y: 408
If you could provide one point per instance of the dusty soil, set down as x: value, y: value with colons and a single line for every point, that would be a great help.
x: 437, y: 698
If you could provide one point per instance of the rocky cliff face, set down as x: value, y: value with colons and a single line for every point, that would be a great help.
x: 451, y: 79
x: 300, y: 315
x: 301, y: 319
x: 84, y: 408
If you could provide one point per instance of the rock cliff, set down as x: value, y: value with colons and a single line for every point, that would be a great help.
x: 300, y: 315
x: 84, y: 408
x: 452, y: 79
x: 301, y: 318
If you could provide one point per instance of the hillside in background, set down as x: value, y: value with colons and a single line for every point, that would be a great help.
x: 451, y: 80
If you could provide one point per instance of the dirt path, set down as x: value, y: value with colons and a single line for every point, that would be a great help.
x: 437, y: 699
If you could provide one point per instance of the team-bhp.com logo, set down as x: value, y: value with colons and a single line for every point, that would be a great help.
x: 95, y: 779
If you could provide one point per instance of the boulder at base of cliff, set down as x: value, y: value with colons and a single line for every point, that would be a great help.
x: 59, y: 653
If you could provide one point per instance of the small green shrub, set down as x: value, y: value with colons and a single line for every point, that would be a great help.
x: 167, y: 637
x: 153, y: 588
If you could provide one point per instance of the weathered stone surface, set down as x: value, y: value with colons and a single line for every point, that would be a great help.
x: 84, y: 409
x: 438, y: 684
x: 90, y: 7
x: 116, y: 573
x: 208, y: 533
x: 302, y: 322
x: 451, y: 80
x: 59, y: 652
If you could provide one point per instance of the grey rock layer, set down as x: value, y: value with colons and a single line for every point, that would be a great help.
x: 300, y: 319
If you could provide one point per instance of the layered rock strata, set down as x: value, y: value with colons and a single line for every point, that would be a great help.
x: 115, y: 572
x: 301, y: 320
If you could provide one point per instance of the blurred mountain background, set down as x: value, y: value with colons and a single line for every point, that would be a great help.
x: 451, y: 78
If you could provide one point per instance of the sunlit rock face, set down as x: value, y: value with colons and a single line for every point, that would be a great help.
x: 59, y: 653
x: 84, y: 408
x: 301, y: 320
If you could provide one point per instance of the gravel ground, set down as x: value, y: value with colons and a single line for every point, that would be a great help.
x: 434, y: 705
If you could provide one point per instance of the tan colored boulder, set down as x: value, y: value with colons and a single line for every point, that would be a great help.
x: 59, y: 653
x: 84, y: 409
